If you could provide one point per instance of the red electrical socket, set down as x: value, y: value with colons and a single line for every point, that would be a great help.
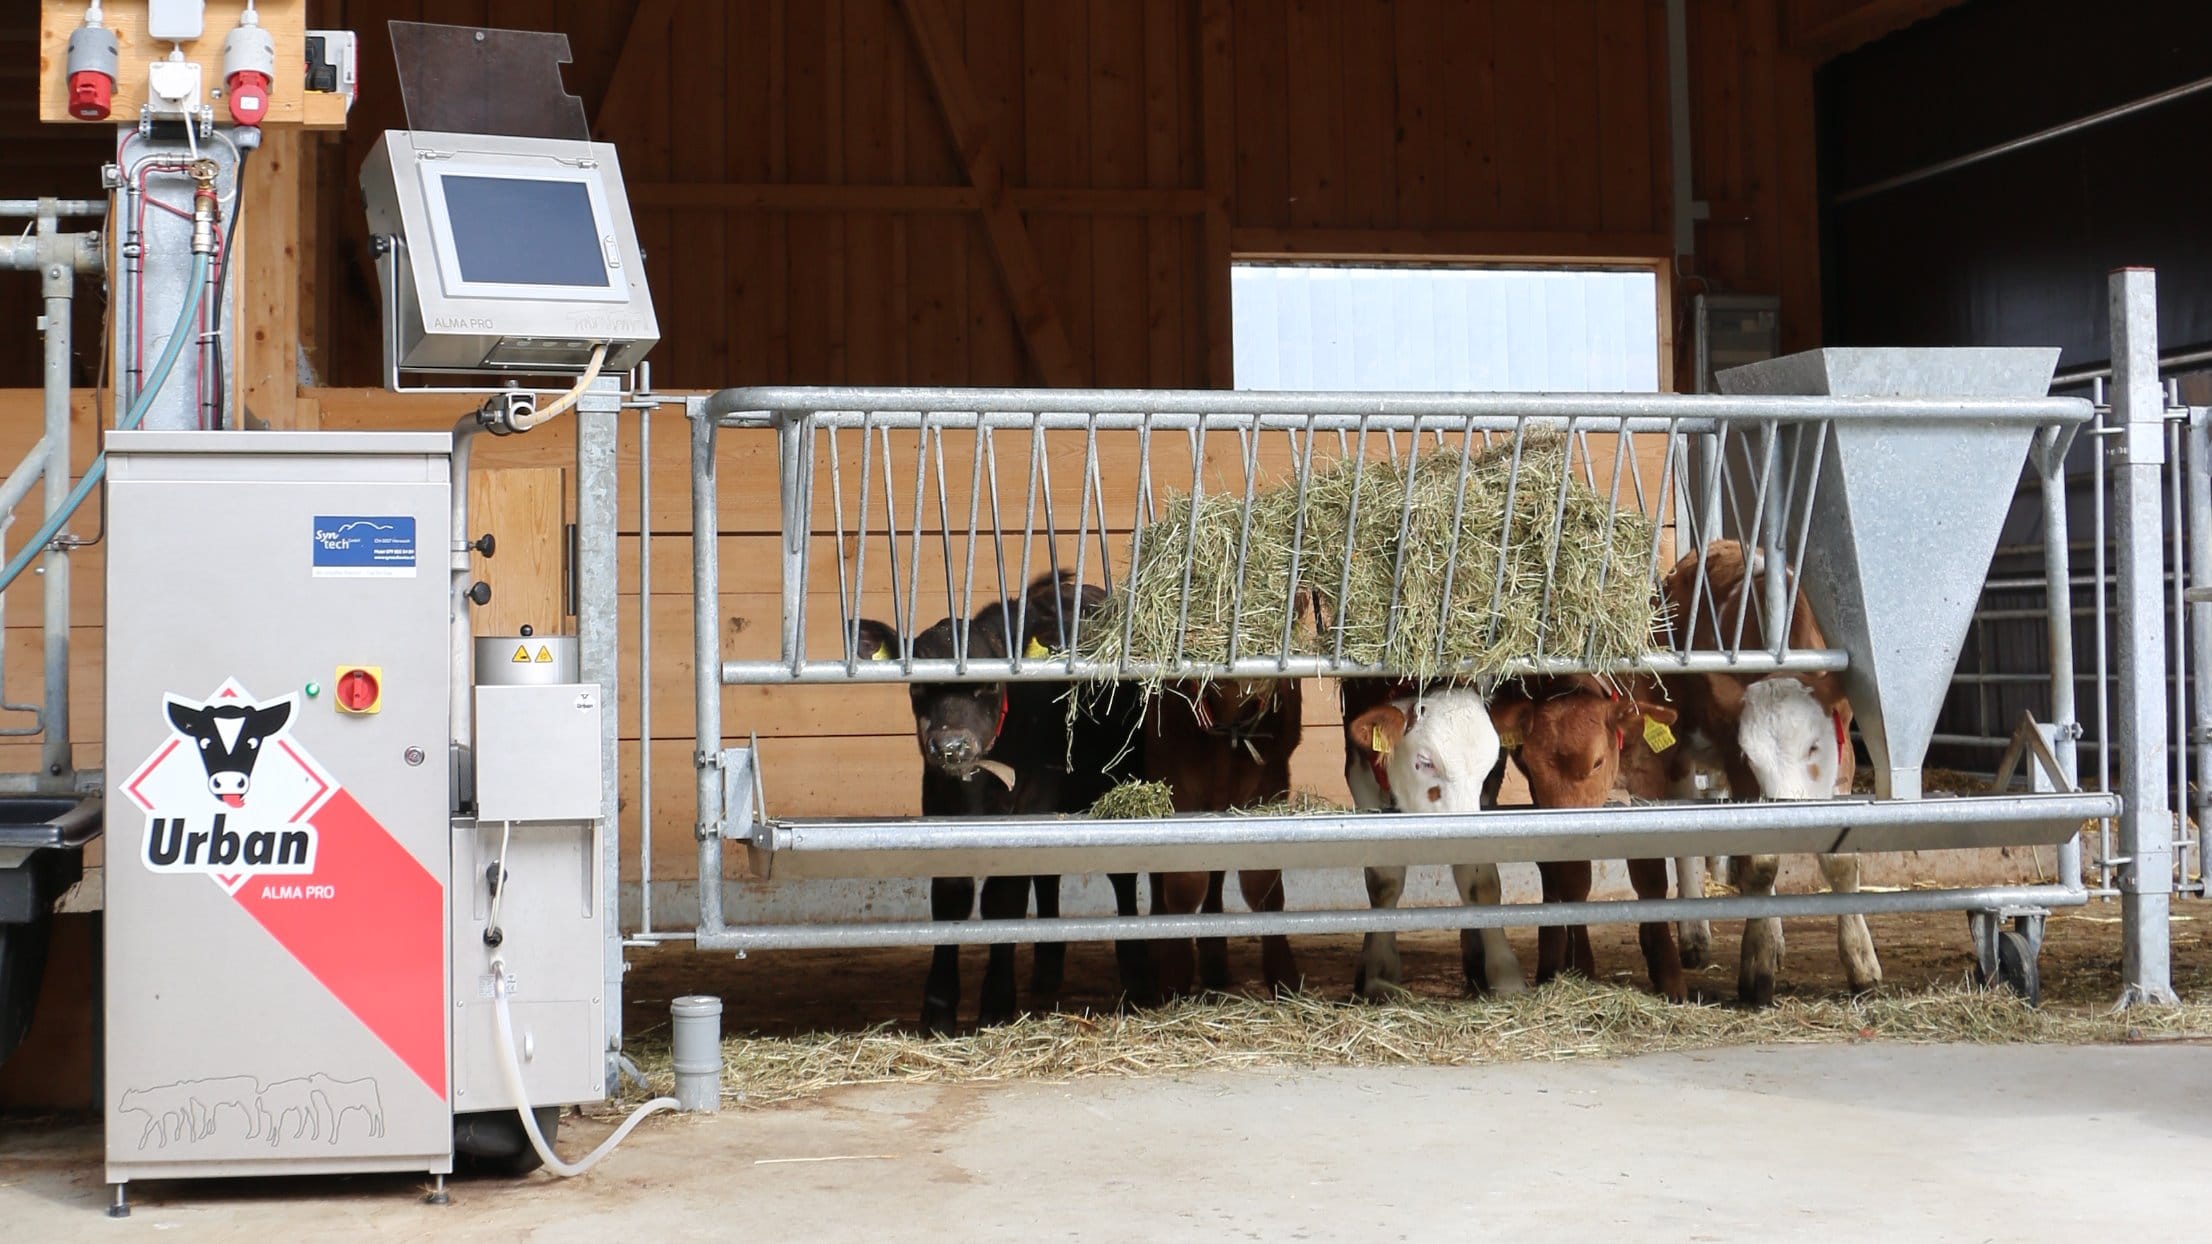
x: 248, y: 95
x: 91, y: 94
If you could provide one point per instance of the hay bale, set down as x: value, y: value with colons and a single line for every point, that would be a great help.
x: 1488, y: 529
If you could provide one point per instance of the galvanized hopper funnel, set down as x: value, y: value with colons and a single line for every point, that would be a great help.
x: 1906, y: 517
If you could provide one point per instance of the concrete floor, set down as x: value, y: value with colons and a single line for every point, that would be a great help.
x: 1870, y: 1142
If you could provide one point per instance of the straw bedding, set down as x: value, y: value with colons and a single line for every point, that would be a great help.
x: 1566, y: 1019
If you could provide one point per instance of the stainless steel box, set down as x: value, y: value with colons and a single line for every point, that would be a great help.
x: 277, y: 868
x: 537, y: 752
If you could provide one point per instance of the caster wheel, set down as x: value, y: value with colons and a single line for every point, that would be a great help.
x: 2017, y: 969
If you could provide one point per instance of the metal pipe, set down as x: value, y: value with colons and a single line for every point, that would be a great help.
x: 1396, y: 920
x: 20, y: 208
x: 598, y: 420
x: 55, y: 757
x: 2171, y: 362
x: 706, y: 659
x: 2146, y: 823
x: 1503, y: 835
x: 645, y: 667
x: 2059, y: 631
x: 1191, y: 409
x: 460, y: 631
x: 2023, y: 142
x: 1002, y: 669
x: 2198, y: 617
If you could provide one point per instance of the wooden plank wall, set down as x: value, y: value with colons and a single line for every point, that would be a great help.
x: 1052, y: 196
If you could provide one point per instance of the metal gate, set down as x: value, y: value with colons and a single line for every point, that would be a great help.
x: 927, y: 502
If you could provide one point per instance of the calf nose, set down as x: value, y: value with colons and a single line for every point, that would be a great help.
x: 952, y: 749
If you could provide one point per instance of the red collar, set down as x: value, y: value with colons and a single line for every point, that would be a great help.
x: 1841, y: 743
x: 1381, y: 771
x: 1004, y: 699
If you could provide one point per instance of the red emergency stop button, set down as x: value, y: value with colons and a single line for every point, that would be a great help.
x: 359, y: 689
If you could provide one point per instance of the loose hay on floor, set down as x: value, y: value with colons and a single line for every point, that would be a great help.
x: 1566, y: 1019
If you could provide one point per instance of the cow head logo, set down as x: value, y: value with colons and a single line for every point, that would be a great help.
x: 230, y: 735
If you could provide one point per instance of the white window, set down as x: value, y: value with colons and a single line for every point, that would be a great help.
x: 1430, y: 329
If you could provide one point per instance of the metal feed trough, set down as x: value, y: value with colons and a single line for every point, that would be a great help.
x: 1879, y: 478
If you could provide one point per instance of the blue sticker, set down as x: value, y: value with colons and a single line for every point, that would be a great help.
x: 365, y: 546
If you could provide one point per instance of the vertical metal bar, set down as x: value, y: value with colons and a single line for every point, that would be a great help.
x: 1351, y: 533
x: 598, y: 418
x: 2100, y: 517
x: 2199, y: 567
x: 1451, y: 544
x: 2146, y: 826
x: 1303, y: 450
x: 58, y: 279
x: 2058, y: 600
x: 645, y: 668
x: 706, y: 656
x: 2177, y: 655
x: 1251, y: 440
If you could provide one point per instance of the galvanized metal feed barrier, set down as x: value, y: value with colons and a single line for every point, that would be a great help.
x: 941, y: 502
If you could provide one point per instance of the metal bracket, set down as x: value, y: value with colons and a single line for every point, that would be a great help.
x: 2028, y: 737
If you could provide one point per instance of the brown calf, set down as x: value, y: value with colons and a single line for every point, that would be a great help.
x: 1222, y: 746
x: 1566, y: 734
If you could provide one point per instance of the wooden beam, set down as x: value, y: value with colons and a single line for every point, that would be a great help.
x: 912, y: 200
x: 1043, y: 331
x: 266, y: 322
x: 1630, y: 249
x: 632, y: 76
x: 1825, y: 29
x: 1217, y: 113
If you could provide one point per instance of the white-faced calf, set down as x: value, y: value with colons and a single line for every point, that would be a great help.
x: 1432, y: 753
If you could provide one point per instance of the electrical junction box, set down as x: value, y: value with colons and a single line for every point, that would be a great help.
x: 277, y: 870
x: 505, y: 254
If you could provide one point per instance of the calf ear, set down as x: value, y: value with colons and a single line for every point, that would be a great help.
x: 875, y: 641
x: 1510, y: 719
x: 1377, y: 731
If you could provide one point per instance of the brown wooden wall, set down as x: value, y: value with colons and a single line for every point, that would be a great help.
x: 1051, y: 195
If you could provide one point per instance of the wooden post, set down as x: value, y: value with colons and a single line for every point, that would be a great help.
x: 267, y: 284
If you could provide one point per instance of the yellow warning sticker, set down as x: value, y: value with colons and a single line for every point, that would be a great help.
x: 522, y: 654
x: 1036, y: 649
x: 1509, y: 739
x: 545, y: 655
x: 1656, y: 735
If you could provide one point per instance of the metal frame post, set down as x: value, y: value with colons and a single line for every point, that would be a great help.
x: 598, y: 434
x: 2146, y: 878
x: 2197, y: 436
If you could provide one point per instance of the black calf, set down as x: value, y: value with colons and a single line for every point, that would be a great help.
x: 996, y: 749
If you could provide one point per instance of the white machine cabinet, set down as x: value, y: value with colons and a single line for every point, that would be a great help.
x: 278, y: 834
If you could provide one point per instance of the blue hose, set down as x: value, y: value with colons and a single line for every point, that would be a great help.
x: 31, y: 552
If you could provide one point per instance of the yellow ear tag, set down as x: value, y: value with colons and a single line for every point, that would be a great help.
x: 1377, y: 741
x: 882, y: 653
x: 1036, y: 649
x: 1656, y: 735
x: 1509, y: 740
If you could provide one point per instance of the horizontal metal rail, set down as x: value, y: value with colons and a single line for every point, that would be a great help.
x: 1396, y: 920
x: 1014, y: 845
x: 1064, y: 669
x: 1124, y: 408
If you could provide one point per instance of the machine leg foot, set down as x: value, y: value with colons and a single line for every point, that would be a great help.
x: 436, y: 1195
x: 119, y: 1204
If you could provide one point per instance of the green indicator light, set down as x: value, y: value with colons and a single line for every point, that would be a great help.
x: 313, y: 689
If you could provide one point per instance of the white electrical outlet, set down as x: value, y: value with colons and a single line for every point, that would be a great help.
x: 175, y: 20
x: 173, y: 86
